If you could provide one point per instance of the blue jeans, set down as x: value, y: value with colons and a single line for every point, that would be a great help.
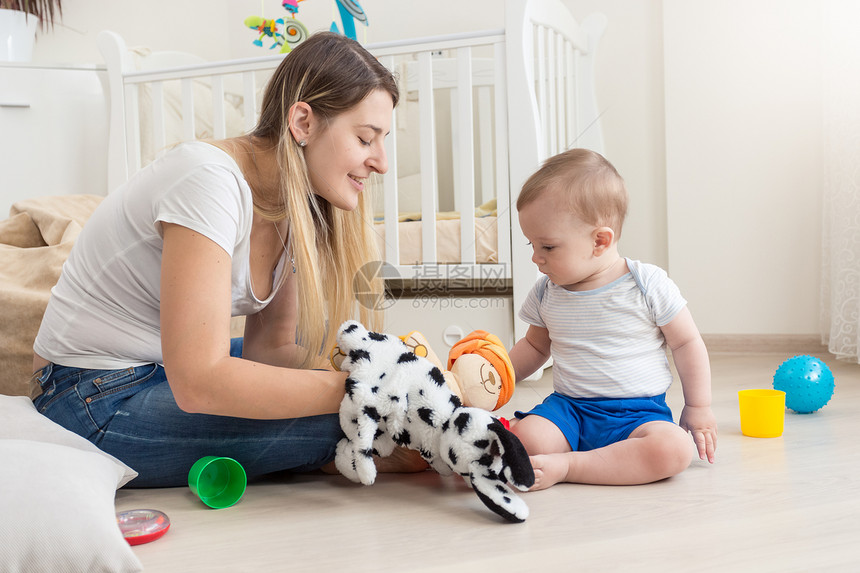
x: 131, y: 414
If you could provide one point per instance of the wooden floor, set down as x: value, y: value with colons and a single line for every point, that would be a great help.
x: 778, y: 504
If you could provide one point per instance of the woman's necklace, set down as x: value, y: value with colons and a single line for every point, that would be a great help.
x: 287, y: 249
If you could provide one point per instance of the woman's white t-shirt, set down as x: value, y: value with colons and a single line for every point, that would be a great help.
x: 104, y: 311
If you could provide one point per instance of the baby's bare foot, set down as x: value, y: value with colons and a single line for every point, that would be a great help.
x: 401, y: 461
x: 549, y: 470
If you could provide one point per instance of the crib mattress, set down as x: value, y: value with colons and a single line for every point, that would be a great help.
x: 447, y: 241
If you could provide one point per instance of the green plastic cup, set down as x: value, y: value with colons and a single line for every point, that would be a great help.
x: 218, y: 482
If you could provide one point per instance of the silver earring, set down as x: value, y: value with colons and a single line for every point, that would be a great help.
x: 302, y: 143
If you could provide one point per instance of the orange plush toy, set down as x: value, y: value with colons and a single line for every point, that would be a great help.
x: 479, y: 370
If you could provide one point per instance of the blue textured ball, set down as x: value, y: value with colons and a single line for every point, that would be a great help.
x: 807, y: 383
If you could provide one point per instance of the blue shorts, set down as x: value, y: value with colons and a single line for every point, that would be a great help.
x: 591, y: 423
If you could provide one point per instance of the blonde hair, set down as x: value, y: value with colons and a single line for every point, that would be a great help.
x: 595, y: 191
x: 332, y: 74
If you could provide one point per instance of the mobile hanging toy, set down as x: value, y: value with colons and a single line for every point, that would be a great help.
x: 350, y: 11
x: 266, y: 28
x: 294, y: 32
x: 290, y: 32
x: 291, y: 6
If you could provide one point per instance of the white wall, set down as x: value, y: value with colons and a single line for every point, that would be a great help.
x: 198, y: 26
x: 744, y: 163
x: 711, y: 113
x: 630, y: 96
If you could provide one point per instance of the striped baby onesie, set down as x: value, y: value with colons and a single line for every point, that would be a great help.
x: 606, y: 342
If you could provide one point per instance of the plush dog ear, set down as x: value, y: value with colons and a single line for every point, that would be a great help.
x: 478, y: 447
x: 518, y: 468
x: 507, y: 460
x: 501, y: 500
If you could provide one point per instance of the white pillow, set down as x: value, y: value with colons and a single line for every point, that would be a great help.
x: 58, y: 510
x: 21, y: 421
x: 57, y: 497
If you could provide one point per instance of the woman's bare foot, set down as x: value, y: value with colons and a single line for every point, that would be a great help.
x: 549, y: 470
x: 330, y: 469
x: 401, y: 461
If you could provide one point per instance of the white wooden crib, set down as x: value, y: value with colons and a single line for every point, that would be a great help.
x: 479, y: 112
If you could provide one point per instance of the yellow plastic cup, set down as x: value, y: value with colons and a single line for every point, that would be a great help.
x: 219, y: 482
x: 762, y: 413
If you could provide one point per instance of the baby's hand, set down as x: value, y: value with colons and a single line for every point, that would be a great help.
x: 701, y: 423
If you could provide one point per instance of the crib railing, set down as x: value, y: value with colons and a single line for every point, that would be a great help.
x: 456, y: 65
x: 516, y: 96
x: 551, y: 88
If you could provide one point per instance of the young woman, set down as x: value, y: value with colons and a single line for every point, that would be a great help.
x: 134, y: 351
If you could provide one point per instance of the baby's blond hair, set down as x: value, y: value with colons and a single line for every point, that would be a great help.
x: 594, y: 190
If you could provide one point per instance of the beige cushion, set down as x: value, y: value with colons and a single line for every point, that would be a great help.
x: 34, y: 243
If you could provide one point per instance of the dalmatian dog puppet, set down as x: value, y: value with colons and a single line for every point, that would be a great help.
x: 394, y: 397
